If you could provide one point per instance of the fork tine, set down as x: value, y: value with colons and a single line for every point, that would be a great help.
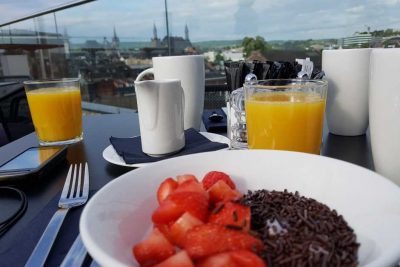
x: 74, y: 178
x: 67, y: 182
x: 78, y: 192
x: 85, y: 191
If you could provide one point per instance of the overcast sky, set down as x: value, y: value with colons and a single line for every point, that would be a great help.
x: 212, y: 19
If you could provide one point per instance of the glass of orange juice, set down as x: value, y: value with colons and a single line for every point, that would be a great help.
x: 56, y: 111
x: 285, y: 114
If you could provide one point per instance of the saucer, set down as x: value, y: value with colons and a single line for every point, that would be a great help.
x: 110, y: 155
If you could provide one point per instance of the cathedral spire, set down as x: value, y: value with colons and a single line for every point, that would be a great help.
x: 115, y: 39
x: 186, y: 33
x: 115, y: 33
x: 154, y: 31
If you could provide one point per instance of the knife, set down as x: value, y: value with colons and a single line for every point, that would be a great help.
x: 76, y: 254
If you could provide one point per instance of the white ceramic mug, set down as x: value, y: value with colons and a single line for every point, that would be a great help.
x: 384, y: 112
x: 160, y: 109
x: 190, y: 70
x: 347, y: 72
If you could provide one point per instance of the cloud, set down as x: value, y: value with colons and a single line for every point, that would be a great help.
x: 215, y: 20
x: 391, y: 2
x: 356, y: 9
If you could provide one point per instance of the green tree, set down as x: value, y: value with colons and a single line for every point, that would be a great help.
x: 218, y: 58
x: 251, y: 44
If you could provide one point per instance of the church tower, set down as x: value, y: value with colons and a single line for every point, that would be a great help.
x: 186, y: 33
x: 115, y: 39
x: 155, y: 41
x: 154, y: 32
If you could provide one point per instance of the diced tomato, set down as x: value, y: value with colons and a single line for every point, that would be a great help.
x: 237, y: 258
x: 154, y: 249
x: 167, y: 212
x: 245, y: 258
x: 220, y: 191
x: 214, y: 176
x: 179, y: 229
x: 186, y: 177
x: 191, y: 186
x: 208, y: 239
x: 166, y: 188
x: 218, y: 260
x: 179, y: 202
x: 180, y: 259
x: 233, y: 214
x: 165, y: 229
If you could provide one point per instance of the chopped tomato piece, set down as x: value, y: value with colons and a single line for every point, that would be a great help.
x: 186, y: 177
x: 154, y: 249
x: 212, y: 177
x: 167, y: 212
x: 245, y: 258
x: 179, y: 229
x: 232, y: 214
x: 208, y: 239
x: 237, y: 258
x: 178, y: 203
x: 191, y: 186
x: 180, y: 259
x: 166, y: 188
x: 218, y: 260
x: 220, y: 191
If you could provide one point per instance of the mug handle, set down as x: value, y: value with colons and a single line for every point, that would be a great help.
x: 143, y: 73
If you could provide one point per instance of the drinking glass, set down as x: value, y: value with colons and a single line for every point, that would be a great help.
x: 56, y: 111
x: 285, y: 114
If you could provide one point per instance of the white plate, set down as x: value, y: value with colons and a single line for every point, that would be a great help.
x: 110, y: 155
x: 118, y: 216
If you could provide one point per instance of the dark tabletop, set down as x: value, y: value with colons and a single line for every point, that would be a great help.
x: 17, y: 244
x: 8, y: 89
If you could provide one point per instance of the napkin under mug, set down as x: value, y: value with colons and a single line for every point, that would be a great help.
x: 130, y: 149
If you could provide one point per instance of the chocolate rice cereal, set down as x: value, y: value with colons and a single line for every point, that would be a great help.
x: 300, y: 231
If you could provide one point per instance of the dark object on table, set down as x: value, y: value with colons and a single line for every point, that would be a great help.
x: 28, y: 166
x: 236, y: 71
x: 214, y: 117
x: 215, y: 120
x: 7, y: 223
x: 130, y: 149
x: 15, y: 118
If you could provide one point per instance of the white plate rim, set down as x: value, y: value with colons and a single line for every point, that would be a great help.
x: 109, y: 261
x: 111, y: 156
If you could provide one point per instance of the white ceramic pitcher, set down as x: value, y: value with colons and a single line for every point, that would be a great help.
x: 190, y: 71
x: 160, y: 107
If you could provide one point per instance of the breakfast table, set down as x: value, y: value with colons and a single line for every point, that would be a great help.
x: 43, y: 193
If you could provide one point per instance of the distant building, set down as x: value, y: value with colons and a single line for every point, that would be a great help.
x: 391, y: 42
x: 357, y: 40
x: 115, y: 40
x: 178, y: 45
x: 233, y: 54
x: 155, y: 41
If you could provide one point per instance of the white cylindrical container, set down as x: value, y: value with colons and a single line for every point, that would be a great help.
x: 384, y: 112
x: 347, y: 71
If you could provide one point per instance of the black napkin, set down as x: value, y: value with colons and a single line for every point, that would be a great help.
x: 130, y: 149
x: 211, y: 126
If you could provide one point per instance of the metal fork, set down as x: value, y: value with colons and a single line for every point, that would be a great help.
x: 75, y: 193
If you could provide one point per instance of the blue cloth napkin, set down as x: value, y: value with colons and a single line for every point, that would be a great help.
x: 130, y: 149
x: 214, y: 127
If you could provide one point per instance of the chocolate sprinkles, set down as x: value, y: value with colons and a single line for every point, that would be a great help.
x: 300, y: 231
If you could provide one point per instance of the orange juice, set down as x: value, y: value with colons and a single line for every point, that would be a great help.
x: 285, y: 121
x: 56, y: 113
